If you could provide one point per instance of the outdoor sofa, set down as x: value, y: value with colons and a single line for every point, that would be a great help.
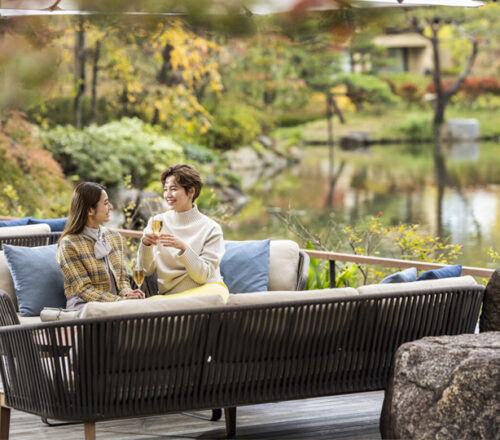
x: 117, y: 362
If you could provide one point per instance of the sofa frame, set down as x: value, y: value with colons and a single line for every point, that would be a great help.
x: 222, y: 357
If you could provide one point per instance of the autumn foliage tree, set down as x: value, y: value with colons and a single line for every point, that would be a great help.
x: 31, y: 180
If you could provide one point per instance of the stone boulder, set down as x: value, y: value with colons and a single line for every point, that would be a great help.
x: 460, y: 129
x: 490, y: 315
x: 355, y: 139
x: 445, y: 387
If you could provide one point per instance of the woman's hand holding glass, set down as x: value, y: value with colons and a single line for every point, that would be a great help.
x: 135, y: 294
x: 170, y: 240
x: 150, y: 239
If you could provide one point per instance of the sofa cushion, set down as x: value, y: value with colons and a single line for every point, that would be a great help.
x: 444, y: 272
x: 405, y: 276
x: 283, y: 264
x: 245, y: 265
x: 287, y: 295
x: 132, y: 306
x: 55, y: 224
x: 6, y: 283
x: 12, y: 231
x: 17, y: 222
x: 38, y: 281
x: 417, y: 285
x: 29, y: 319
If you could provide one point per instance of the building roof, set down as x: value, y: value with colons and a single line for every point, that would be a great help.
x: 409, y: 39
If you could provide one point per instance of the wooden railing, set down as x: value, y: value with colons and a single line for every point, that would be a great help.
x: 332, y: 257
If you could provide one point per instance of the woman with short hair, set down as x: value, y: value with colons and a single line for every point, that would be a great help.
x: 91, y: 256
x: 186, y: 253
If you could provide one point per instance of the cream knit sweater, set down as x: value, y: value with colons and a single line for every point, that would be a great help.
x: 198, y: 264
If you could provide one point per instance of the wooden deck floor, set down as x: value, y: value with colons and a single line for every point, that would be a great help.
x: 353, y: 416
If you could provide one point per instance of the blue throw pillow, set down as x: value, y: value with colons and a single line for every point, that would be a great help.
x: 18, y: 222
x: 444, y: 272
x: 405, y: 276
x: 56, y: 224
x: 38, y: 281
x: 245, y: 266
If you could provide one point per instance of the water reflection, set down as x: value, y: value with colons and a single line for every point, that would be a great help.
x: 467, y: 150
x: 451, y: 190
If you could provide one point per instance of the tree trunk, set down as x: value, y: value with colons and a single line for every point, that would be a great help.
x: 165, y: 74
x: 124, y: 100
x: 95, y: 73
x: 441, y: 179
x: 441, y: 101
x: 329, y: 119
x: 79, y: 71
x: 443, y: 96
x: 201, y: 86
x: 156, y: 117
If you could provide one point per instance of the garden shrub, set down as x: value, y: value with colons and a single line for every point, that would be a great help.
x: 234, y: 124
x: 31, y: 181
x: 362, y: 89
x: 368, y: 237
x: 108, y: 153
x: 60, y: 111
x: 415, y: 128
x: 472, y: 88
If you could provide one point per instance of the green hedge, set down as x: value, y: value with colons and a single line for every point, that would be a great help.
x: 108, y: 153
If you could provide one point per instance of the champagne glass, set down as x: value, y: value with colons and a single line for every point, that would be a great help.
x: 138, y: 276
x: 157, y: 226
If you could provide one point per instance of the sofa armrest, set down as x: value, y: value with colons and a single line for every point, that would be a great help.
x: 303, y: 270
x: 8, y: 315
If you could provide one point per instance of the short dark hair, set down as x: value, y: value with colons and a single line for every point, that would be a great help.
x: 186, y: 176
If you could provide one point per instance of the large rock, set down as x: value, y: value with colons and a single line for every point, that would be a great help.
x: 355, y: 139
x: 490, y: 315
x: 460, y: 129
x: 444, y: 387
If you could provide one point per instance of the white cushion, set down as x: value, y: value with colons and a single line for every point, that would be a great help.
x: 283, y: 264
x: 132, y: 306
x: 417, y: 286
x: 6, y: 283
x: 11, y: 231
x: 29, y: 319
x: 287, y: 295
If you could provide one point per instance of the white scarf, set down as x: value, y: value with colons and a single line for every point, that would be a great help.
x: 101, y: 247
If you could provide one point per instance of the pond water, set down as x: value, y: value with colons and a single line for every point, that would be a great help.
x: 457, y: 197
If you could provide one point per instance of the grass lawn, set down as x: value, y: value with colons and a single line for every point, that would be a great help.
x: 386, y: 124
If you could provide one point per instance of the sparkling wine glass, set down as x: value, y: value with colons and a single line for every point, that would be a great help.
x: 138, y: 276
x: 157, y: 225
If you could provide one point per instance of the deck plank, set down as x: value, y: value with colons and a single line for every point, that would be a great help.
x: 352, y: 416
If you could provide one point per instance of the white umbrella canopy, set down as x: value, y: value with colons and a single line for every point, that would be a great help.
x: 12, y: 8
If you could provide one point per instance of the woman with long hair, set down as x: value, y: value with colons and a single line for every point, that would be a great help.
x: 91, y: 256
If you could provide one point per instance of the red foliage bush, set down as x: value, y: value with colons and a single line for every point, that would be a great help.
x: 30, y: 178
x: 410, y: 91
x: 472, y: 87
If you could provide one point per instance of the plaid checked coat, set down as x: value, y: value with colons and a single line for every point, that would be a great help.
x: 85, y: 275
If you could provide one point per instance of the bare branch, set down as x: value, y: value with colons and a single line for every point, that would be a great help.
x: 54, y: 6
x: 465, y: 72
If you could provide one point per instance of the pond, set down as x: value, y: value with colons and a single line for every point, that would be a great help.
x: 457, y: 197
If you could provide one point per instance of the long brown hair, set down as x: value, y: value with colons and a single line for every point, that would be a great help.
x: 85, y: 196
